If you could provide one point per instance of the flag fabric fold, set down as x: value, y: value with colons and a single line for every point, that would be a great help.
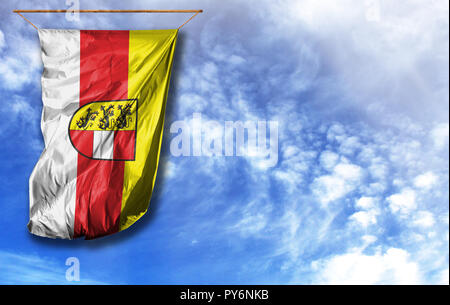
x: 104, y: 97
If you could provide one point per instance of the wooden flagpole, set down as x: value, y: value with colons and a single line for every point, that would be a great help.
x: 196, y: 12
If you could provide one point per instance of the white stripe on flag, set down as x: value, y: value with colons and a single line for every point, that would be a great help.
x: 52, y: 207
x: 103, y: 147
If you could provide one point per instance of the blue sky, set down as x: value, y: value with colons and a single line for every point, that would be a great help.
x: 360, y: 192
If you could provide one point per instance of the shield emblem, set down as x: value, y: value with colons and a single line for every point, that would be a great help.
x: 105, y: 130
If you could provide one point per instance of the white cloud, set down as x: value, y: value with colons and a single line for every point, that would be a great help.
x: 344, y: 179
x: 368, y: 239
x: 440, y: 135
x: 19, y: 68
x: 291, y: 178
x: 378, y: 168
x: 328, y: 159
x: 444, y: 277
x: 2, y: 40
x: 350, y: 172
x: 373, y: 189
x: 330, y: 188
x: 403, y: 202
x: 254, y: 219
x: 426, y: 180
x: 19, y: 111
x: 392, y: 267
x: 365, y: 218
x: 290, y: 151
x: 365, y: 203
x: 398, y: 37
x: 349, y: 145
x: 424, y: 219
x: 20, y: 107
x: 369, y: 213
x: 336, y: 133
x: 169, y: 169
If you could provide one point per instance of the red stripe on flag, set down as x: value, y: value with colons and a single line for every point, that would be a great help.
x: 103, y: 76
x: 124, y: 144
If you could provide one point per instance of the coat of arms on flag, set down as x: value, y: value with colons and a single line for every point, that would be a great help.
x: 104, y: 96
x: 105, y: 130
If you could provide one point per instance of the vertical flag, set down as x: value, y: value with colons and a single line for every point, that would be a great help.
x: 104, y: 97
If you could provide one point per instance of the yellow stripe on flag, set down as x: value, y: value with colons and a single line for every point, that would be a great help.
x: 150, y: 63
